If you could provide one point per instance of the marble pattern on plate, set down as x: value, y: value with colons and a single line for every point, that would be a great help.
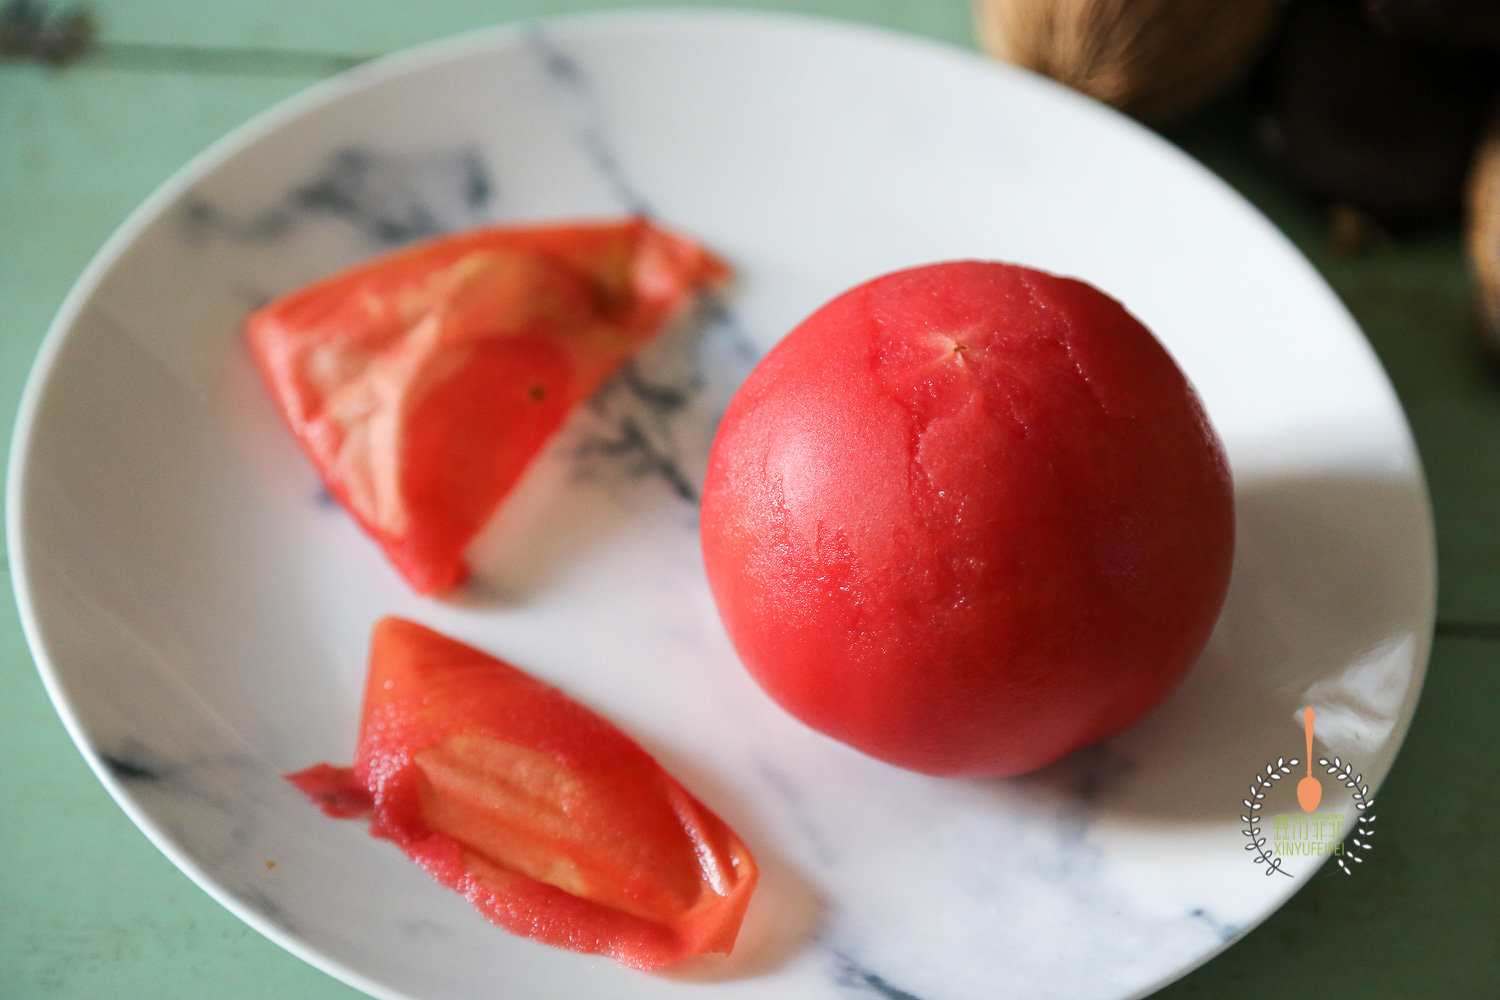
x: 1076, y: 882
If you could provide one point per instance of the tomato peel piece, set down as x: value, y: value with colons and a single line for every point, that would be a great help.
x: 554, y: 823
x: 422, y: 383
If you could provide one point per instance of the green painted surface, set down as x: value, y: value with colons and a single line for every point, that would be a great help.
x: 79, y: 149
x: 89, y: 909
x: 1411, y: 298
x: 370, y: 27
x: 1420, y: 919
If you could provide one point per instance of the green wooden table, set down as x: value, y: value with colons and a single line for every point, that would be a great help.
x: 89, y: 909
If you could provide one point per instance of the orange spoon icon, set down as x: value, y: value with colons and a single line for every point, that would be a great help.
x: 1309, y: 792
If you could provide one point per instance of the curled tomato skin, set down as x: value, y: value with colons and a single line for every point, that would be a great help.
x: 550, y: 820
x: 423, y: 382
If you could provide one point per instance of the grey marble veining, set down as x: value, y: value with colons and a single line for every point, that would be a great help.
x: 206, y: 610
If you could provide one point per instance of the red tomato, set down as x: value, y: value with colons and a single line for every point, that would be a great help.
x: 422, y: 383
x: 967, y: 518
x: 551, y: 821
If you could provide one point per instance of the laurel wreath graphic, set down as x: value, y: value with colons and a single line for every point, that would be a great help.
x: 1264, y: 782
x: 1364, y: 826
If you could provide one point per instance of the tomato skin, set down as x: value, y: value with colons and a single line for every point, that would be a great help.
x: 967, y: 518
x: 423, y: 383
x: 549, y: 819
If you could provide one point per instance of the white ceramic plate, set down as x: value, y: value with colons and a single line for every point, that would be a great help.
x: 200, y: 614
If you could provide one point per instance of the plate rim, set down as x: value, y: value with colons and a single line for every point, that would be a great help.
x: 505, y: 36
